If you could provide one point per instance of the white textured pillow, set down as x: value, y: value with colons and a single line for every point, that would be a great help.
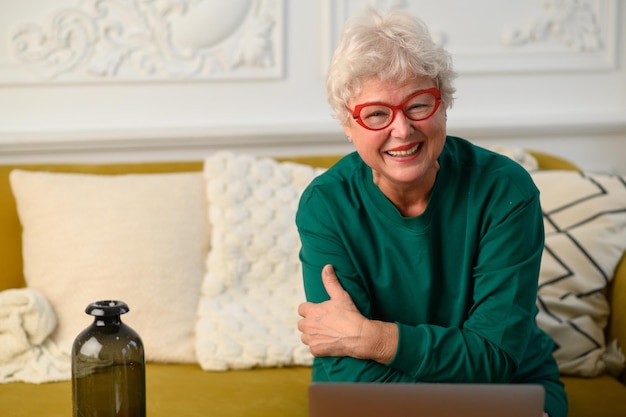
x: 585, y: 222
x: 248, y: 309
x: 138, y: 238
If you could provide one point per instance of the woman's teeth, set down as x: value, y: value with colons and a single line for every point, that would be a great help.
x: 407, y: 152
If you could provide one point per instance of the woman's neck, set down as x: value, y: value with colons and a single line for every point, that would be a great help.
x: 410, y: 199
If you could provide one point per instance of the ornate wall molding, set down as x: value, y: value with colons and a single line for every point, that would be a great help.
x: 136, y: 40
x: 99, y: 78
x: 550, y: 35
x: 573, y: 23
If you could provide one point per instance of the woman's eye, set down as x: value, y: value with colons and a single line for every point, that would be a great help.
x: 376, y: 113
x: 418, y: 110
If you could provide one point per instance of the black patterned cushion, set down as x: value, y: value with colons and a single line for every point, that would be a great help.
x: 585, y: 223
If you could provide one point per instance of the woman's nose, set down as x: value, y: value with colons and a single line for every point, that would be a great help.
x: 401, y: 126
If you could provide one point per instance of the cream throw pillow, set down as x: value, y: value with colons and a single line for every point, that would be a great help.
x: 248, y: 310
x: 585, y: 223
x: 138, y: 238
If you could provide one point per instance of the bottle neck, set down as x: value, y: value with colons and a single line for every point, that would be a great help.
x: 107, y: 321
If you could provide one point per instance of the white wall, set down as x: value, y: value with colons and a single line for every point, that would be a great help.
x: 109, y: 80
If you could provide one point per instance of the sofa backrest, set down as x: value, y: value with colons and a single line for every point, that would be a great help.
x: 11, y: 265
x: 11, y: 275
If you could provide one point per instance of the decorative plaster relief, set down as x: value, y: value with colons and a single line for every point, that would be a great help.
x: 135, y: 40
x: 561, y: 36
x: 573, y: 23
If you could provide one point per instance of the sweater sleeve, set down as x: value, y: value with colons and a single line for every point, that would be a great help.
x: 322, y: 245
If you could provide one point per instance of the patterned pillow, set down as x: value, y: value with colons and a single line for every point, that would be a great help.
x: 585, y: 222
x: 253, y: 285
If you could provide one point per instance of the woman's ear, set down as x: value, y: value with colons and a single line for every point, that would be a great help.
x: 348, y: 131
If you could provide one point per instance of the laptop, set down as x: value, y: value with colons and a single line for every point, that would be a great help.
x: 425, y: 400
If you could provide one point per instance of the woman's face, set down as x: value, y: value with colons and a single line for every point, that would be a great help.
x: 404, y: 154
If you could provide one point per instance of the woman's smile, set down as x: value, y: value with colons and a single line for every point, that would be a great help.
x: 405, y: 151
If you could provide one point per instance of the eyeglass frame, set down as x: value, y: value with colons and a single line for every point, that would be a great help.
x: 356, y: 113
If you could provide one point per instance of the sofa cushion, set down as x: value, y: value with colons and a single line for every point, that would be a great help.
x: 599, y: 396
x: 182, y: 390
x: 585, y: 222
x: 248, y: 310
x: 138, y: 238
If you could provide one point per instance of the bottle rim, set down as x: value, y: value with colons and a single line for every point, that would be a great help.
x: 107, y: 308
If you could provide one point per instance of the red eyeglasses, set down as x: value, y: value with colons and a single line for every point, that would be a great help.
x: 377, y: 116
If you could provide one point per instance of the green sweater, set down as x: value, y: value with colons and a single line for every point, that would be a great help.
x: 459, y: 280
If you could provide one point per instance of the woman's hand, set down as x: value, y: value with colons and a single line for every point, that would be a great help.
x: 337, y: 328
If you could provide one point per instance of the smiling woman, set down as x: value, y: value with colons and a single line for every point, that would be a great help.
x: 413, y: 265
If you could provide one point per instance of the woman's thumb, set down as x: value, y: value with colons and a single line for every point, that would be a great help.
x: 331, y: 282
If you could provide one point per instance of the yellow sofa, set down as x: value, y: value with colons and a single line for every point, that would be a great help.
x: 186, y: 390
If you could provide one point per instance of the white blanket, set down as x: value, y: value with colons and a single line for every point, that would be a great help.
x: 26, y: 352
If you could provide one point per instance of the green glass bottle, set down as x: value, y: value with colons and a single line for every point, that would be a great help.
x: 108, y: 366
